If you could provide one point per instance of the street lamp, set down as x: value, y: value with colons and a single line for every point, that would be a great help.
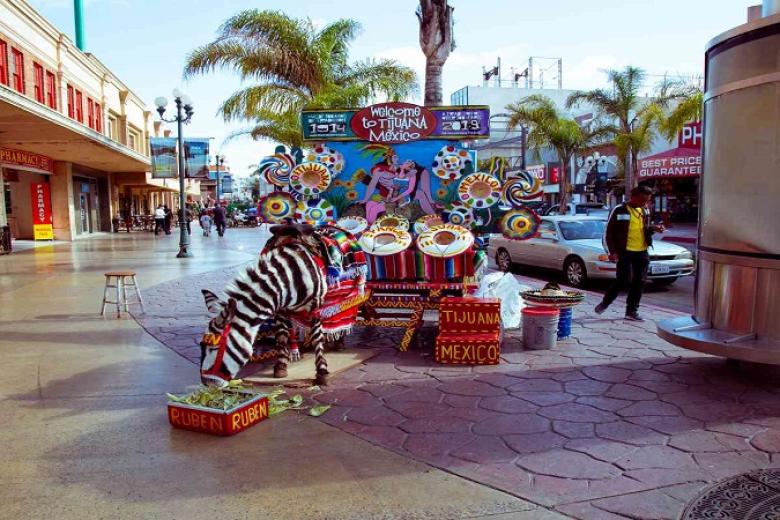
x: 219, y: 160
x: 183, y: 116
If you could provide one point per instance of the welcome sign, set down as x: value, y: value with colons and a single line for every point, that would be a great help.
x: 397, y: 123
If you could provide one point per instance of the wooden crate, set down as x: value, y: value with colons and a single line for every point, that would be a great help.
x: 218, y: 422
x: 468, y: 349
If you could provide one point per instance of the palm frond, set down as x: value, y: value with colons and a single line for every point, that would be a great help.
x: 256, y: 101
x: 381, y: 77
x: 333, y: 40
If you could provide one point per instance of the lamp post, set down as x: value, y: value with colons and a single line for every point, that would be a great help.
x: 183, y: 116
x: 219, y: 160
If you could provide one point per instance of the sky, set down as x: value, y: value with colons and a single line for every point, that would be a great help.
x: 145, y: 43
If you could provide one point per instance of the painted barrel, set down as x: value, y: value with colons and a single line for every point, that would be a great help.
x: 540, y: 327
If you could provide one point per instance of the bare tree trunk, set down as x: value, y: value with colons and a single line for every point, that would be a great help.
x: 436, y: 42
x: 433, y: 89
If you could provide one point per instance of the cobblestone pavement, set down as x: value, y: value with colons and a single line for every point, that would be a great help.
x: 612, y: 423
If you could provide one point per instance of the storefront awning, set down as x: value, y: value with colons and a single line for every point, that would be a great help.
x: 145, y: 182
x: 671, y: 164
x: 29, y: 126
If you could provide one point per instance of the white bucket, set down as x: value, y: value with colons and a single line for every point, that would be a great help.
x: 540, y: 328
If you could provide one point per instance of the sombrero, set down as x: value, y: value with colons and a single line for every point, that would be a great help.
x: 520, y: 224
x: 427, y: 221
x: 276, y: 168
x: 354, y: 225
x: 459, y: 214
x: 384, y: 241
x: 333, y: 159
x: 451, y: 162
x: 519, y: 189
x: 314, y: 210
x: 479, y: 190
x: 391, y: 220
x: 276, y: 207
x: 310, y: 179
x: 445, y: 240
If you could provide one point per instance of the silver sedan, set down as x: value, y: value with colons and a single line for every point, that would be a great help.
x: 573, y: 245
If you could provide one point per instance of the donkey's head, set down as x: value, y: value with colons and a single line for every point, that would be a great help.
x: 219, y: 362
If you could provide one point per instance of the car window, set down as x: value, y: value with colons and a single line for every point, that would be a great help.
x: 547, y: 230
x: 582, y: 229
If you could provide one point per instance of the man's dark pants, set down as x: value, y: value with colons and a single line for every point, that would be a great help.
x: 159, y: 225
x: 220, y: 227
x: 631, y: 273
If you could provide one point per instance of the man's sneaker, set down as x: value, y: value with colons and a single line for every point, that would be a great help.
x: 634, y: 316
x: 600, y: 308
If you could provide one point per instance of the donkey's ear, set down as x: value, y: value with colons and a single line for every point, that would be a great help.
x: 213, y: 303
x: 230, y: 309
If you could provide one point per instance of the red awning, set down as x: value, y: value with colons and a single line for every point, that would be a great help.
x: 678, y: 162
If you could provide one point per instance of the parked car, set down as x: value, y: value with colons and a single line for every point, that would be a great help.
x: 573, y: 244
x: 594, y: 209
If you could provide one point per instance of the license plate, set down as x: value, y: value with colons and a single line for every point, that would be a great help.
x: 659, y: 269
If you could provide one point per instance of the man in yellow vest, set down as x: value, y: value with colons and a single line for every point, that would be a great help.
x: 628, y: 235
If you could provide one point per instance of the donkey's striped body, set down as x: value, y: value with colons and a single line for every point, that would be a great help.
x: 288, y: 278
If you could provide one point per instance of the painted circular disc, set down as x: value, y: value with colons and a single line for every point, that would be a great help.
x: 479, y: 190
x: 520, y: 224
x: 519, y: 189
x: 277, y: 168
x: 333, y: 159
x: 314, y: 211
x: 384, y: 241
x: 391, y: 220
x: 426, y: 222
x: 354, y: 225
x: 310, y: 179
x: 451, y: 162
x: 459, y: 214
x: 276, y: 207
x: 445, y: 240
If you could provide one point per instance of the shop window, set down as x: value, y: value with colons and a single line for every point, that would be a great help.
x: 71, y: 102
x: 8, y: 206
x: 79, y: 106
x: 98, y: 118
x: 18, y: 75
x: 3, y: 62
x: 90, y: 113
x: 51, y: 90
x: 38, y: 79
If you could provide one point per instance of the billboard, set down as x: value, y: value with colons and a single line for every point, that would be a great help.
x: 163, y: 151
x: 43, y: 228
x: 397, y: 123
x: 196, y: 157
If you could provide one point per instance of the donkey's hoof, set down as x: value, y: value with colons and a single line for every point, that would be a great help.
x: 280, y: 372
x: 321, y: 379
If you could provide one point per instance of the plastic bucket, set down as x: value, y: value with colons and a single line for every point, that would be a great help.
x: 564, y: 323
x: 540, y: 327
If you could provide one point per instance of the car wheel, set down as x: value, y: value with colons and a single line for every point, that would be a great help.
x: 664, y: 282
x: 503, y: 260
x: 575, y: 272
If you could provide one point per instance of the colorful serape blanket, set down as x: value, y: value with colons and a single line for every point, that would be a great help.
x: 412, y: 264
x: 345, y: 258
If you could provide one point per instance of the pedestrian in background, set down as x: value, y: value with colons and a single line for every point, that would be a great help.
x: 205, y: 223
x: 159, y: 219
x: 220, y: 219
x: 628, y: 235
x: 168, y: 219
x: 187, y: 219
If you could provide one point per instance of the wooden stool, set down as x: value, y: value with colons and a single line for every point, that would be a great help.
x: 120, y: 280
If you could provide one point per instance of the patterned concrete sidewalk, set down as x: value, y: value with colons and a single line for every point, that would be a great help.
x: 613, y: 423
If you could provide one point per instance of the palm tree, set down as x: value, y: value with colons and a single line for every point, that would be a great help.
x: 436, y: 42
x: 690, y: 107
x: 294, y: 66
x: 634, y: 116
x: 548, y: 128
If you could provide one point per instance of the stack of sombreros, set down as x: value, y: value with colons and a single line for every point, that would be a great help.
x: 445, y: 240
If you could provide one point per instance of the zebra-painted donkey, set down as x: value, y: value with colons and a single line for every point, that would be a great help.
x: 289, y: 283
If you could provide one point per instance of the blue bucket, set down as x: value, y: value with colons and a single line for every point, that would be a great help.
x: 564, y: 323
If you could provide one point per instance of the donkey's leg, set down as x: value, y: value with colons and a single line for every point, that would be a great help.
x: 283, y: 327
x: 318, y: 342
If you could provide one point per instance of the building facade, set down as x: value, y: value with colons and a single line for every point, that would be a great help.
x: 72, y: 135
